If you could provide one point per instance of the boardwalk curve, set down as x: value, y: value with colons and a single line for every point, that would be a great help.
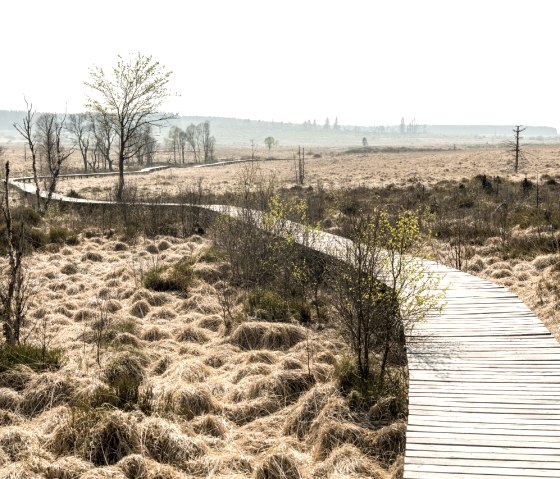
x: 484, y: 379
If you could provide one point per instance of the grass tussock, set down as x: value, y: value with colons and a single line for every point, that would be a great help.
x: 189, y: 401
x: 45, y: 391
x: 278, y: 465
x: 193, y: 334
x: 334, y: 434
x: 285, y: 386
x: 124, y: 373
x: 210, y: 425
x: 140, y: 309
x: 164, y: 442
x: 262, y: 335
x: 101, y: 436
x: 349, y: 461
x: 187, y: 371
x: 390, y: 442
x: 307, y: 409
x: 249, y: 411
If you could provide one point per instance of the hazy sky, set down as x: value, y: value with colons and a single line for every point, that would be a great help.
x: 366, y: 62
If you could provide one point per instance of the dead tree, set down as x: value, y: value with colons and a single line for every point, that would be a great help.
x: 26, y: 130
x: 49, y: 142
x: 300, y: 167
x: 79, y: 126
x: 515, y: 147
x: 13, y: 286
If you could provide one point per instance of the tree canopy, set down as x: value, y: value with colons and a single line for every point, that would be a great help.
x: 129, y: 98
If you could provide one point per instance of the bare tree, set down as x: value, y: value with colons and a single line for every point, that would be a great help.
x: 79, y: 126
x: 44, y: 137
x: 26, y: 130
x: 193, y: 140
x: 269, y: 141
x: 208, y: 142
x: 49, y: 143
x: 13, y: 287
x: 103, y: 136
x: 145, y: 146
x: 515, y: 147
x: 128, y: 100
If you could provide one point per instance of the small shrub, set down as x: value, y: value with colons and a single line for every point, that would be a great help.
x: 61, y: 235
x: 36, y: 358
x: 120, y: 246
x: 177, y: 277
x: 268, y: 305
x: 92, y: 256
x: 26, y: 215
x: 69, y: 269
x: 74, y: 194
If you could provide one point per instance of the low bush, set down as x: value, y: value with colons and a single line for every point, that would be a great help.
x: 268, y: 305
x: 177, y: 277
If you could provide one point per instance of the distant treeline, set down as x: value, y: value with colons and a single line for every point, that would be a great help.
x: 240, y: 132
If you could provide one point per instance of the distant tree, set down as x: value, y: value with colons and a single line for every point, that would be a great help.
x: 103, y: 136
x: 269, y: 141
x: 49, y: 143
x: 327, y: 124
x: 79, y: 126
x: 208, y: 142
x: 146, y: 146
x: 44, y: 138
x: 128, y: 99
x: 193, y: 140
x: 515, y: 146
x: 364, y: 141
x: 314, y: 123
x: 403, y: 126
x: 335, y: 124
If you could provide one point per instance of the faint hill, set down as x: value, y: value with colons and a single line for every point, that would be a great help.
x: 240, y: 132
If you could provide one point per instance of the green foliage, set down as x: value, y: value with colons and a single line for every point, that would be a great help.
x: 27, y: 215
x: 268, y: 305
x: 59, y: 234
x: 37, y: 358
x: 177, y: 277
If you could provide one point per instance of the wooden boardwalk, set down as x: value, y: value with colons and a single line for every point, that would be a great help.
x: 484, y: 387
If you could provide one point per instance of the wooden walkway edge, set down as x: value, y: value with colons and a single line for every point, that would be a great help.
x: 484, y: 387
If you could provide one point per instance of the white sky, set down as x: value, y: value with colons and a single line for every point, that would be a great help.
x: 367, y: 62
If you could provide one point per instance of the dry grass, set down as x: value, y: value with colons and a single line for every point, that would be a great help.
x: 176, y: 395
x: 340, y: 170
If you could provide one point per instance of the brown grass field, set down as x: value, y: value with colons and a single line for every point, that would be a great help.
x: 214, y: 403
